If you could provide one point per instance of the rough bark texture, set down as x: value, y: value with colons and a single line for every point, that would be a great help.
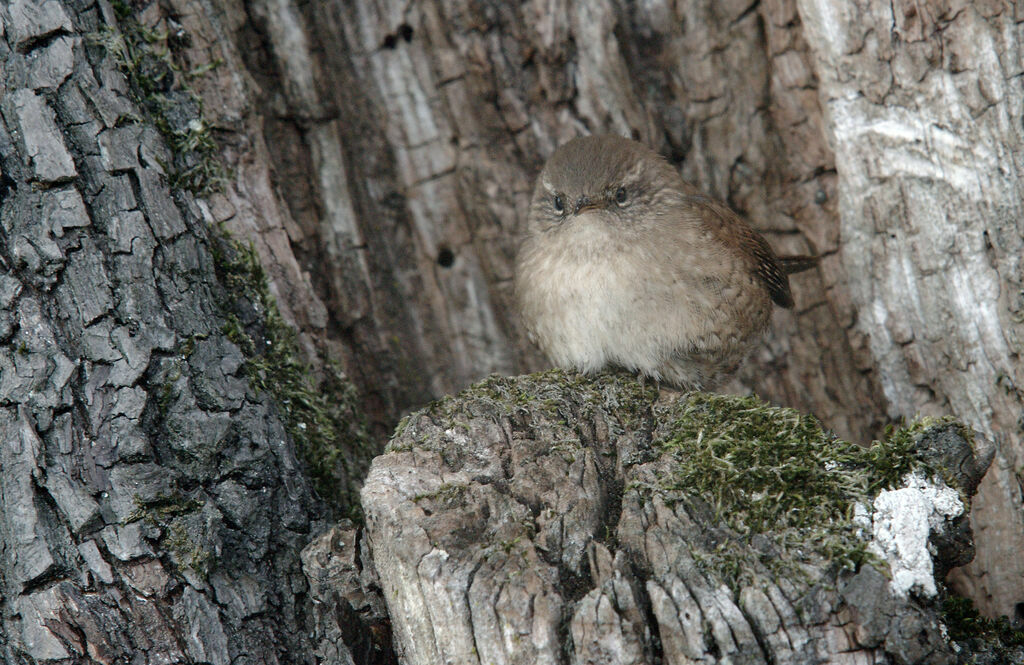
x: 386, y: 153
x: 531, y: 520
x: 349, y: 618
x: 153, y: 508
x: 381, y: 155
x: 924, y: 106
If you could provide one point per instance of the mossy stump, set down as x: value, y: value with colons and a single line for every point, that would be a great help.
x: 557, y: 518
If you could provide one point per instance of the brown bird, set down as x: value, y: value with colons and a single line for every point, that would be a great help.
x: 625, y: 264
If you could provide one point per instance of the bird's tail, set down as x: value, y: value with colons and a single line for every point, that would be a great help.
x: 793, y: 264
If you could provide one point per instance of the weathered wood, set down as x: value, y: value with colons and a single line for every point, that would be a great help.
x: 535, y: 520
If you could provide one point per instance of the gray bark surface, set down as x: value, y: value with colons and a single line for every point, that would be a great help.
x: 153, y: 509
x: 350, y: 622
x: 527, y: 521
x: 924, y: 106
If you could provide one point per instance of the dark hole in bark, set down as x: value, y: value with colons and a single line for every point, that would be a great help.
x: 445, y: 257
x: 403, y: 32
x: 7, y: 185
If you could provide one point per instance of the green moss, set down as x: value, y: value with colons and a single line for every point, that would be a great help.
x: 186, y: 552
x: 160, y: 86
x: 176, y: 517
x: 121, y: 8
x: 187, y: 346
x: 322, y: 417
x: 543, y: 393
x: 402, y: 426
x: 785, y: 488
x: 235, y: 331
x: 448, y: 494
x: 775, y: 473
x: 541, y: 398
x: 164, y: 399
x: 965, y: 623
x: 159, y: 511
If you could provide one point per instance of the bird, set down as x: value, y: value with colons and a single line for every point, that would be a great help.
x: 625, y: 264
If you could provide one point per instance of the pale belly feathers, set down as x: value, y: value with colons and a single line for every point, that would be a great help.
x: 588, y: 309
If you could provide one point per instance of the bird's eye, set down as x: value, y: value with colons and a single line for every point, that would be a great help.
x: 620, y: 195
x: 559, y: 204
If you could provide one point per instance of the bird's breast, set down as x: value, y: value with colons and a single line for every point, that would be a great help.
x: 580, y: 293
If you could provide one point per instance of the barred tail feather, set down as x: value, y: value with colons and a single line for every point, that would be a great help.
x: 794, y: 264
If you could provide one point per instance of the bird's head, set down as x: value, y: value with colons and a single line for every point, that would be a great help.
x: 607, y: 178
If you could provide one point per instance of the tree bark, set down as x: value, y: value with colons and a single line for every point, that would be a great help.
x: 153, y: 506
x: 407, y: 138
x: 380, y: 159
x: 924, y: 105
x: 404, y: 142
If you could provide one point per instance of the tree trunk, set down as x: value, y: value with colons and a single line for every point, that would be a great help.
x: 406, y: 138
x: 379, y: 156
x: 925, y: 107
x: 404, y: 143
x: 153, y: 505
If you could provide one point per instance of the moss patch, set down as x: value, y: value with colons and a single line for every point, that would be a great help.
x: 186, y: 551
x: 965, y: 622
x: 540, y: 398
x: 182, y: 526
x: 774, y: 473
x: 996, y: 638
x: 158, y: 512
x: 448, y: 494
x: 160, y: 86
x: 322, y: 417
x: 544, y: 393
x: 775, y: 490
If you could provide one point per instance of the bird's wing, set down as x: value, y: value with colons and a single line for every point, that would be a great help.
x: 731, y: 231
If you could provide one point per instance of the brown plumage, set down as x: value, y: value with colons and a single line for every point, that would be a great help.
x: 624, y: 263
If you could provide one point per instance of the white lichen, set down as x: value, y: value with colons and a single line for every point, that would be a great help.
x: 900, y: 522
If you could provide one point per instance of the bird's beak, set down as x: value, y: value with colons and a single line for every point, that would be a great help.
x: 585, y: 204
